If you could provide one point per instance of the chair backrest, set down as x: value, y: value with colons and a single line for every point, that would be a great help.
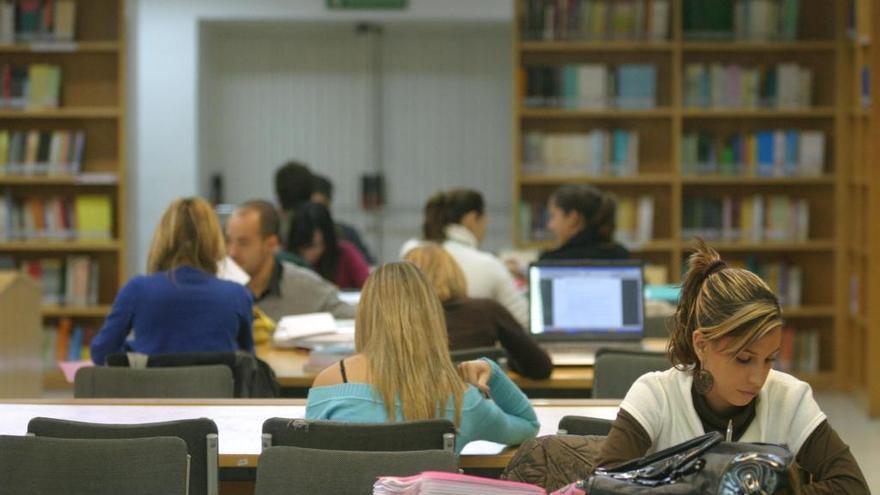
x: 433, y: 434
x: 295, y: 470
x: 657, y: 327
x: 199, y: 434
x: 616, y: 370
x: 187, y: 382
x: 582, y: 425
x: 48, y: 466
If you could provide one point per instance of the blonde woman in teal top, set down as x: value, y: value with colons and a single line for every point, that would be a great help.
x: 402, y: 370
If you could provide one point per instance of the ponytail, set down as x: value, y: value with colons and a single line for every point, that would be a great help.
x: 445, y: 208
x: 435, y: 218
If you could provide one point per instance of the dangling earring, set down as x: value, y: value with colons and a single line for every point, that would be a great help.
x: 703, y: 381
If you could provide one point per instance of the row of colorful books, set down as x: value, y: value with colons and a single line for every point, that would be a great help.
x: 66, y: 341
x: 591, y: 86
x: 764, y: 153
x: 32, y: 87
x: 800, y: 350
x: 716, y: 85
x: 599, y: 152
x: 37, y: 152
x: 596, y: 20
x: 748, y: 20
x: 37, y: 20
x: 785, y: 278
x: 84, y: 216
x: 69, y: 281
x: 752, y: 218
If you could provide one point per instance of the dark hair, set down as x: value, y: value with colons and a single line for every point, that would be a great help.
x: 308, y: 218
x: 720, y: 301
x: 294, y: 184
x: 321, y: 184
x: 270, y: 222
x: 449, y: 207
x: 596, y: 207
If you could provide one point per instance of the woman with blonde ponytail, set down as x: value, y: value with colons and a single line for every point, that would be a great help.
x: 402, y: 370
x: 725, y: 336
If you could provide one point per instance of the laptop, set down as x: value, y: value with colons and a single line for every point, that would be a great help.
x: 579, y: 306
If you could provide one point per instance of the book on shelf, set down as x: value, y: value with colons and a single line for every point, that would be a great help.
x: 732, y: 86
x: 30, y: 87
x: 753, y: 218
x: 865, y: 87
x: 66, y: 341
x: 533, y: 216
x: 763, y: 153
x: 744, y: 20
x: 785, y: 279
x: 594, y: 20
x: 600, y: 152
x: 85, y: 216
x: 634, y: 220
x: 591, y: 86
x: 37, y: 152
x: 29, y: 21
x: 69, y: 281
x: 800, y: 350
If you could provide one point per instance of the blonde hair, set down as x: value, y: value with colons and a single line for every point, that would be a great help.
x: 188, y: 234
x: 401, y: 330
x: 719, y: 301
x: 440, y: 268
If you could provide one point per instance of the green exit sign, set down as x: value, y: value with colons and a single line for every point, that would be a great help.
x: 366, y: 4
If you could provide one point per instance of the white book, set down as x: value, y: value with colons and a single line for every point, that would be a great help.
x: 757, y: 218
x: 811, y: 153
x: 778, y: 153
x: 795, y: 285
x: 592, y: 82
x: 760, y: 20
x: 717, y: 77
x: 290, y: 329
x: 645, y: 221
x: 7, y: 23
x: 659, y: 29
x: 802, y: 220
x: 788, y: 86
x: 727, y: 218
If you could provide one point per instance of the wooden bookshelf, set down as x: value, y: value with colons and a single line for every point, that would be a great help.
x: 861, y: 259
x: 93, y: 100
x: 823, y: 47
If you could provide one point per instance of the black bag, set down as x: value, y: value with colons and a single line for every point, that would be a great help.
x: 702, y: 465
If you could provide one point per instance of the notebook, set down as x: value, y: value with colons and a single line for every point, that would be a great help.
x: 439, y: 483
x: 576, y: 307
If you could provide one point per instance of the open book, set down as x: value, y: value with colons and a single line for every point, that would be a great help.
x: 313, y: 330
x: 438, y: 483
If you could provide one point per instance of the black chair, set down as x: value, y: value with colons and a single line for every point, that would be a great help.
x: 582, y: 425
x: 616, y: 370
x: 433, y: 434
x: 187, y: 382
x: 295, y: 470
x: 494, y: 353
x: 50, y: 466
x: 199, y: 434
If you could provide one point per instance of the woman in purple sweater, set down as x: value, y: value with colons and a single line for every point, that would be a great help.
x: 181, y: 305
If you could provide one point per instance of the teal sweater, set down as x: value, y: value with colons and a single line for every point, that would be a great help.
x: 507, y: 418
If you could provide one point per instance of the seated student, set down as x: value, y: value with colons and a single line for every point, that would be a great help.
x: 456, y: 219
x: 402, y: 371
x: 582, y: 219
x: 725, y: 337
x: 279, y: 288
x: 181, y: 306
x: 312, y: 236
x: 294, y: 185
x: 477, y: 322
x: 323, y: 194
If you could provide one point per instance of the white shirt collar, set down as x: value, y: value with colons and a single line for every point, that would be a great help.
x: 460, y: 234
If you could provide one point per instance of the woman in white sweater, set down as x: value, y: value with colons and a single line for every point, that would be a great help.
x: 457, y: 220
x: 725, y: 337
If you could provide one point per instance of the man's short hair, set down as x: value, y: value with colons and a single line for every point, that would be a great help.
x: 324, y: 186
x: 270, y: 222
x: 294, y: 184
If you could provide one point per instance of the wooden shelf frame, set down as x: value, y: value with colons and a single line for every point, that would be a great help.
x: 834, y: 113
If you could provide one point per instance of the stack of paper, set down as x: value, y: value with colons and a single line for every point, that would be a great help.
x: 437, y: 483
x: 312, y: 330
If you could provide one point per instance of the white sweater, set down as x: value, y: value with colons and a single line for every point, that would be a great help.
x: 486, y: 275
x: 661, y: 402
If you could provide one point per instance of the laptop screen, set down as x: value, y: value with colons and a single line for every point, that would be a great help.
x: 586, y: 300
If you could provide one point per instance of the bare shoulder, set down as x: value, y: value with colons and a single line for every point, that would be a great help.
x: 330, y: 375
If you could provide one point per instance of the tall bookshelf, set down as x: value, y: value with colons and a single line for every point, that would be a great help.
x: 863, y: 203
x: 821, y: 45
x: 92, y: 99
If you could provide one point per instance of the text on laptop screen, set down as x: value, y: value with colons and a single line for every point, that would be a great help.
x: 600, y: 301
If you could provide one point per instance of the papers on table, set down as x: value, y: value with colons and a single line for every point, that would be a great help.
x: 437, y: 483
x: 313, y: 330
